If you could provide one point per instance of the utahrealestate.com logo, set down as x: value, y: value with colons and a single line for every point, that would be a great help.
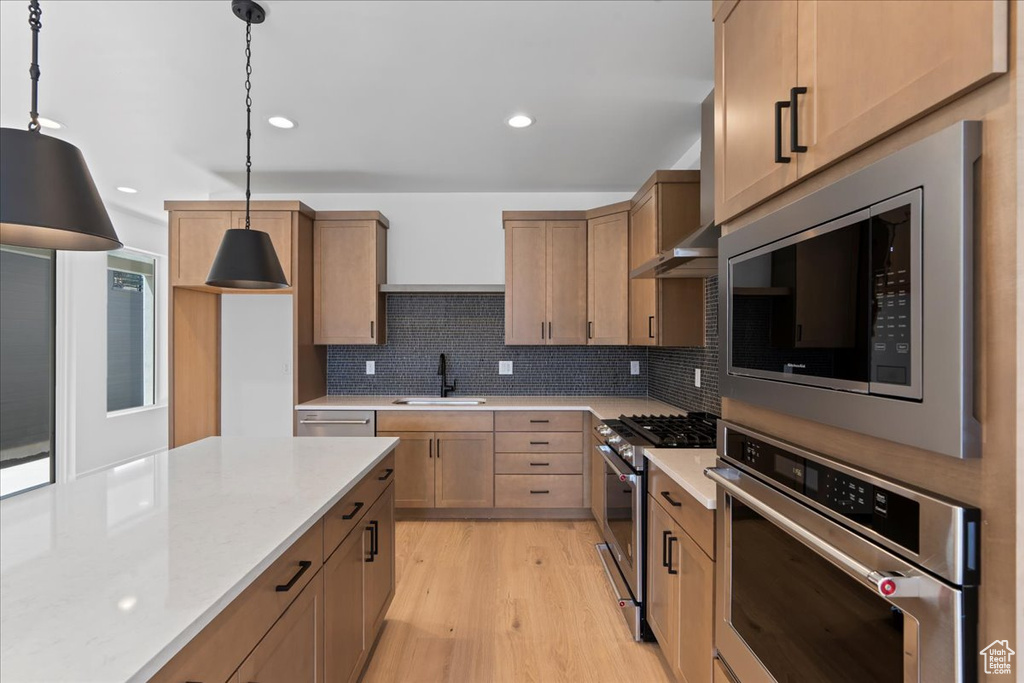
x: 998, y: 658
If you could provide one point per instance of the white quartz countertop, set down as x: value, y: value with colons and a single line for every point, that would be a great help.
x: 604, y: 407
x: 685, y: 466
x: 105, y: 578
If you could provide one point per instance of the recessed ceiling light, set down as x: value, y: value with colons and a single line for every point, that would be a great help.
x: 281, y: 122
x: 49, y: 123
x: 520, y: 121
x: 126, y: 189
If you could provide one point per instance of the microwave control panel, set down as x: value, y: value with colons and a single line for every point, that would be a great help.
x: 886, y: 513
x: 891, y: 284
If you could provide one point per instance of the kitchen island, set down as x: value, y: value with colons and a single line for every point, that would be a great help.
x: 110, y: 576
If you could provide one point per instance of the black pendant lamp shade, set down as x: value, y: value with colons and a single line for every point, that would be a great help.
x: 246, y: 258
x: 47, y: 197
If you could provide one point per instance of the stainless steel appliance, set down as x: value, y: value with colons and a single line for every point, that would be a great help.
x: 852, y: 306
x: 829, y: 573
x: 336, y: 423
x: 625, y: 493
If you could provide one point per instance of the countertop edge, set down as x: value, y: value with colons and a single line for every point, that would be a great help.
x: 654, y: 456
x: 578, y: 403
x: 177, y: 644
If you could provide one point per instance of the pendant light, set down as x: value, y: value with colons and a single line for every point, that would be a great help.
x: 246, y: 258
x: 47, y: 197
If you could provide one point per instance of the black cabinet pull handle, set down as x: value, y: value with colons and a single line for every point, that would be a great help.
x: 799, y: 332
x: 285, y: 587
x: 542, y: 329
x: 539, y: 422
x: 544, y: 491
x: 664, y: 547
x: 549, y: 330
x: 372, y: 553
x: 539, y: 464
x: 779, y: 106
x: 794, y: 120
x: 590, y: 329
x: 669, y: 565
x: 387, y: 473
x: 371, y: 330
x: 430, y: 448
x: 539, y: 443
x: 673, y: 503
x: 439, y: 449
x: 375, y: 539
x: 650, y: 327
x: 356, y: 507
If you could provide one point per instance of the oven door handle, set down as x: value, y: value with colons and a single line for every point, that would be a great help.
x: 625, y: 474
x: 887, y: 584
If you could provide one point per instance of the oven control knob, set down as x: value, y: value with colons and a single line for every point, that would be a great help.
x: 604, y: 430
x: 627, y: 452
x: 615, y: 439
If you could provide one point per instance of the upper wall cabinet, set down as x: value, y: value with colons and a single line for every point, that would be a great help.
x: 349, y: 266
x: 800, y: 85
x: 195, y: 237
x: 546, y: 282
x: 608, y: 279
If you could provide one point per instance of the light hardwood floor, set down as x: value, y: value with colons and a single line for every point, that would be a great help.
x: 481, y: 601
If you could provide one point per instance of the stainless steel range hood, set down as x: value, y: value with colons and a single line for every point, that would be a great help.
x: 697, y: 255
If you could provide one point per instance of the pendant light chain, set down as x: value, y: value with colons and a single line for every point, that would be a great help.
x: 248, y: 116
x: 35, y: 23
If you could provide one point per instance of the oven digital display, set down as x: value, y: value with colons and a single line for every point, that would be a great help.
x: 790, y: 469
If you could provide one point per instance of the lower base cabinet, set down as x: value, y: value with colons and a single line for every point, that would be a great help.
x: 308, y: 619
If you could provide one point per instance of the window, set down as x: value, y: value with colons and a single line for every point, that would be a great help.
x: 131, y: 330
x: 27, y: 310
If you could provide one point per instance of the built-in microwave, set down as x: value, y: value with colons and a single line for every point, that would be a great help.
x: 852, y: 306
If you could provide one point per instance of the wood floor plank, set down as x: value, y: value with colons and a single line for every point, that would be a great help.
x: 494, y: 601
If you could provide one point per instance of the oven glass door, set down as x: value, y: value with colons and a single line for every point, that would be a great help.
x: 621, y: 493
x: 805, y: 619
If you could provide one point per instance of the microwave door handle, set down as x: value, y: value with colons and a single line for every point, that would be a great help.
x: 886, y: 584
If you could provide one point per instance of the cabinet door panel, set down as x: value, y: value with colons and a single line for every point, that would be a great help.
x: 380, y: 568
x: 414, y: 469
x: 464, y: 470
x: 871, y: 66
x: 755, y: 66
x: 525, y: 282
x: 608, y: 280
x: 277, y: 224
x: 292, y: 651
x: 343, y: 608
x: 195, y: 239
x: 567, y: 282
x: 696, y: 610
x: 643, y: 229
x: 345, y: 282
x: 662, y: 587
x: 643, y: 312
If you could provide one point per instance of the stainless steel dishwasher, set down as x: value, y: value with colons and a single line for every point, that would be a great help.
x: 337, y: 423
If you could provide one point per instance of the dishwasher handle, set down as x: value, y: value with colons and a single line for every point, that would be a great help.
x: 365, y: 421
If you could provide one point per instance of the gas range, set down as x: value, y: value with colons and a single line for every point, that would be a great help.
x: 629, y: 435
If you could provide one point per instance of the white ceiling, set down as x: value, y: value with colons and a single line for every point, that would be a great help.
x: 389, y: 96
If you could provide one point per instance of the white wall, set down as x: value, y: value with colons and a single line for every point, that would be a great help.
x: 448, y: 238
x: 690, y: 161
x: 88, y: 438
x: 255, y: 370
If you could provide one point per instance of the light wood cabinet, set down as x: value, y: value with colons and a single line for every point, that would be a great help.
x: 464, y: 470
x: 293, y: 649
x: 546, y: 282
x: 721, y: 674
x: 663, y: 581
x: 667, y: 312
x: 344, y: 632
x: 825, y: 72
x: 608, y: 279
x: 414, y: 464
x: 349, y: 266
x: 694, y: 628
x: 379, y: 567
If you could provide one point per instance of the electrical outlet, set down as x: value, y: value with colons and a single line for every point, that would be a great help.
x: 371, y: 367
x: 696, y: 378
x: 634, y: 367
x: 504, y: 367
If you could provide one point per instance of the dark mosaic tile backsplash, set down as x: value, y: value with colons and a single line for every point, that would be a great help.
x: 470, y: 330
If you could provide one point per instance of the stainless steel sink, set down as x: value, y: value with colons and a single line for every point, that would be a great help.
x: 434, y: 401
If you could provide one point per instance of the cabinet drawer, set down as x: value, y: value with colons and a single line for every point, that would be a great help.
x: 538, y: 491
x: 345, y: 514
x: 435, y: 421
x: 538, y: 442
x: 538, y: 463
x: 538, y: 421
x: 220, y: 647
x: 695, y: 519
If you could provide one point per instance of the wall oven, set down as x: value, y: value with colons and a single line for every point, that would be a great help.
x: 853, y: 305
x: 829, y: 573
